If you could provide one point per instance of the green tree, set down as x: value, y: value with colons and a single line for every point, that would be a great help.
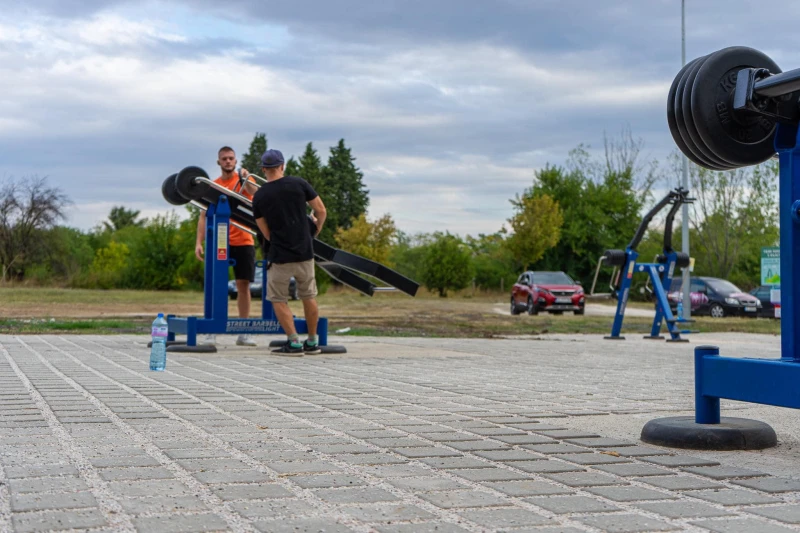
x: 310, y: 168
x: 536, y: 227
x: 372, y: 240
x: 447, y: 264
x: 345, y: 195
x: 251, y: 160
x: 495, y: 267
x: 601, y: 202
x: 157, y: 254
x: 292, y: 167
x: 109, y: 265
x: 735, y: 214
x: 120, y: 217
x: 408, y: 252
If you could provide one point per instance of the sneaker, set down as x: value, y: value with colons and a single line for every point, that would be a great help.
x: 246, y: 340
x: 289, y: 350
x: 311, y: 349
x: 208, y: 340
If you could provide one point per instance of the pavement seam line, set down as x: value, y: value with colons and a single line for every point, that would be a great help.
x: 112, y: 511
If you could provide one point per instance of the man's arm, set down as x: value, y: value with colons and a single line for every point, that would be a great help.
x: 201, y: 235
x: 262, y: 225
x: 320, y: 213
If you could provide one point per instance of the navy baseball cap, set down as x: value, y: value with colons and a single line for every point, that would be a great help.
x: 271, y: 159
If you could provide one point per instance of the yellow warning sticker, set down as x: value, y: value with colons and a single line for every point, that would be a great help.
x: 222, y: 241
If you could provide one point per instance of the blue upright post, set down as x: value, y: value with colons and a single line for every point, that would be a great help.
x: 788, y: 147
x: 706, y: 408
x: 208, y: 266
x: 626, y: 275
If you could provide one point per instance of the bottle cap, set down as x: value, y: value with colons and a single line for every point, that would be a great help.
x: 160, y: 315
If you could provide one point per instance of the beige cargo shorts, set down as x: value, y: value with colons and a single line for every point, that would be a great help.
x: 280, y: 274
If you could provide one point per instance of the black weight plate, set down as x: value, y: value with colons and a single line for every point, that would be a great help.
x: 187, y: 186
x: 170, y: 193
x: 697, y: 155
x: 740, y: 138
x: 671, y: 118
x: 688, y: 118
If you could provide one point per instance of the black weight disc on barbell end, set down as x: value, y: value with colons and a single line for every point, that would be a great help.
x: 688, y: 119
x: 187, y: 186
x: 697, y: 155
x: 741, y: 138
x: 170, y: 193
x: 672, y: 121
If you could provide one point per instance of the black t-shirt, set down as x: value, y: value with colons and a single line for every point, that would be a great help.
x: 282, y: 203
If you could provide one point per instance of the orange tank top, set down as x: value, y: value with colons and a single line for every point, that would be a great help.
x: 237, y: 237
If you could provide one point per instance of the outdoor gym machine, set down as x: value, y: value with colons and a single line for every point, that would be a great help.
x: 660, y: 272
x: 225, y: 208
x: 727, y: 110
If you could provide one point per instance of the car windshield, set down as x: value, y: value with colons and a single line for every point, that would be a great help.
x: 723, y: 286
x: 552, y: 278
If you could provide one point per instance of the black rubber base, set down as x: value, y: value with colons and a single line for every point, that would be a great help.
x: 656, y: 338
x: 614, y: 338
x: 327, y: 349
x: 729, y: 434
x: 677, y: 340
x: 184, y: 348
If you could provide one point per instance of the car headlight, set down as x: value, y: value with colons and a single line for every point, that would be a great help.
x: 732, y: 301
x: 758, y: 303
x: 545, y: 291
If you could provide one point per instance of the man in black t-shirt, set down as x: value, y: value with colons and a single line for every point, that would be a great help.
x: 279, y: 208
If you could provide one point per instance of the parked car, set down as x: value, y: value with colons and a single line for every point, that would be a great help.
x: 715, y: 297
x: 763, y: 294
x: 554, y: 292
x: 255, y: 287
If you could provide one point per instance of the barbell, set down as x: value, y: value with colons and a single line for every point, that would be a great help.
x: 723, y: 109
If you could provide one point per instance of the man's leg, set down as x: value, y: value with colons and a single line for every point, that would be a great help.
x: 243, y: 299
x: 278, y: 292
x: 285, y: 318
x: 311, y: 313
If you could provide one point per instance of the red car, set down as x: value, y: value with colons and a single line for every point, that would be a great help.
x: 554, y: 292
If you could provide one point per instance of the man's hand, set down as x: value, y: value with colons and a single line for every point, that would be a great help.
x: 198, y: 251
x: 316, y: 223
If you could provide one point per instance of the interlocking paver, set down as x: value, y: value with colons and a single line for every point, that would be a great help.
x: 527, y: 488
x: 629, y: 494
x: 747, y: 525
x: 41, y: 502
x: 772, y: 485
x: 301, y: 525
x: 472, y: 498
x: 783, y: 513
x: 504, y: 518
x: 682, y: 509
x: 250, y: 491
x: 54, y: 520
x: 724, y: 472
x: 680, y: 483
x: 627, y: 523
x: 732, y: 497
x: 198, y: 523
x: 573, y: 504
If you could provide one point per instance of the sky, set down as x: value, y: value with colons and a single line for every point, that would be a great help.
x: 449, y: 106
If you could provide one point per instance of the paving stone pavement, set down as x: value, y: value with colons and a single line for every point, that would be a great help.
x: 399, y: 435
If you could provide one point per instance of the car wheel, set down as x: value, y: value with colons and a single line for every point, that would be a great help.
x: 514, y: 310
x: 531, y: 307
x: 716, y: 311
x: 580, y: 311
x: 232, y: 296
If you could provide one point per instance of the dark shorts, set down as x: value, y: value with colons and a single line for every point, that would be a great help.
x: 245, y: 257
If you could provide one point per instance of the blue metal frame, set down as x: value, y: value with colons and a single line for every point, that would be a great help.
x: 215, y: 291
x: 661, y: 277
x: 765, y: 381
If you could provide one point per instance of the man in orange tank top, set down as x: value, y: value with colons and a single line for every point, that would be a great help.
x: 240, y: 243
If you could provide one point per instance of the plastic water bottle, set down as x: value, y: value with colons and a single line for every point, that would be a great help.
x: 158, y: 350
x: 680, y: 309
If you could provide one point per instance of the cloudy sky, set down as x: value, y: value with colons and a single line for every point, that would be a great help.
x: 448, y: 105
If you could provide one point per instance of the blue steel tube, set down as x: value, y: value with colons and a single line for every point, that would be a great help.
x: 706, y: 408
x: 786, y: 143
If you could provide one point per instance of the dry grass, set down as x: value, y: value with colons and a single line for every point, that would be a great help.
x: 25, y: 310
